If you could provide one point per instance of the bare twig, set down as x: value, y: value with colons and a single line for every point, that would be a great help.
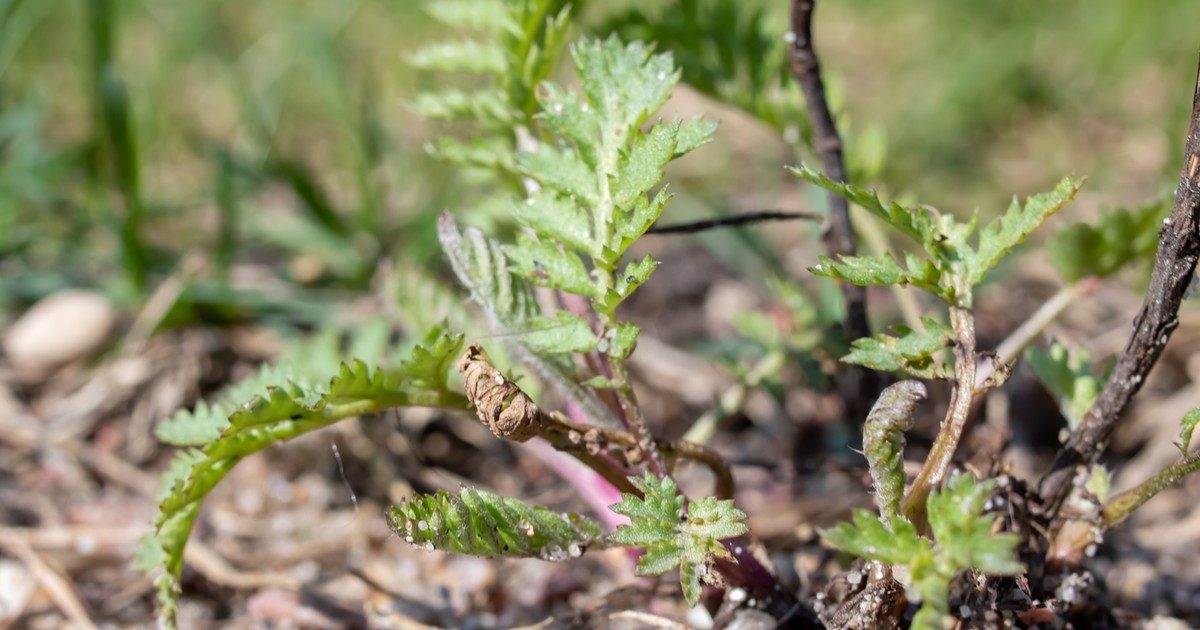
x: 734, y: 220
x: 1018, y: 340
x: 1174, y: 266
x: 56, y: 585
x: 838, y: 234
x: 860, y: 386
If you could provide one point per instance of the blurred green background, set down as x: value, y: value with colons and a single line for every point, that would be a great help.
x: 271, y: 138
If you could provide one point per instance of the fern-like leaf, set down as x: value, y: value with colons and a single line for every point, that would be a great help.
x: 963, y: 538
x: 514, y: 46
x: 480, y: 523
x: 1007, y: 231
x: 281, y: 413
x: 673, y: 537
x: 883, y: 443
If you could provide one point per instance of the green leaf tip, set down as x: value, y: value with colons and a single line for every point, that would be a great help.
x: 955, y: 265
x: 480, y: 523
x: 913, y: 352
x: 1187, y: 426
x: 674, y: 537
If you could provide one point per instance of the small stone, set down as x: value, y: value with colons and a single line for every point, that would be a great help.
x: 16, y: 587
x: 59, y: 329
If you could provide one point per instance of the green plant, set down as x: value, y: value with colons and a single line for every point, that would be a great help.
x: 575, y: 177
x: 593, y: 196
x: 963, y: 538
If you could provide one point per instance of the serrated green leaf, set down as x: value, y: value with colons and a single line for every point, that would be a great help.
x: 1004, y: 233
x: 634, y: 275
x: 634, y: 221
x: 622, y: 340
x: 1116, y: 240
x: 868, y: 537
x: 964, y: 533
x: 565, y: 333
x: 861, y: 270
x: 624, y: 84
x: 562, y: 171
x: 481, y: 523
x: 671, y: 539
x: 281, y: 413
x: 557, y: 218
x: 693, y: 133
x: 544, y: 264
x: 659, y: 559
x: 642, y: 167
x: 913, y: 352
x: 921, y: 224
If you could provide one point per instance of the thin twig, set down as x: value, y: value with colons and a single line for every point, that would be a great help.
x: 56, y: 585
x: 838, y: 233
x: 1174, y: 266
x: 1018, y: 340
x: 734, y: 220
x: 860, y: 386
x: 1121, y: 506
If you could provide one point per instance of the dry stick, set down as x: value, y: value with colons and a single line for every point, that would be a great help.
x: 838, y: 234
x: 57, y: 586
x: 1174, y: 266
x: 734, y: 220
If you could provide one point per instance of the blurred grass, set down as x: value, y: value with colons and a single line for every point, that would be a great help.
x: 275, y: 133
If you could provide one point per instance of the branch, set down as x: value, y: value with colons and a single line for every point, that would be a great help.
x: 734, y: 220
x: 838, y: 234
x: 861, y: 386
x: 1121, y: 506
x: 1174, y: 266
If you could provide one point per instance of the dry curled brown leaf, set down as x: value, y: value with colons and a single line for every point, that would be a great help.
x: 499, y: 403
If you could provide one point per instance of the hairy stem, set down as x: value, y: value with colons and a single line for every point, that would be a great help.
x: 1174, y: 267
x: 940, y: 455
x: 1121, y: 506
